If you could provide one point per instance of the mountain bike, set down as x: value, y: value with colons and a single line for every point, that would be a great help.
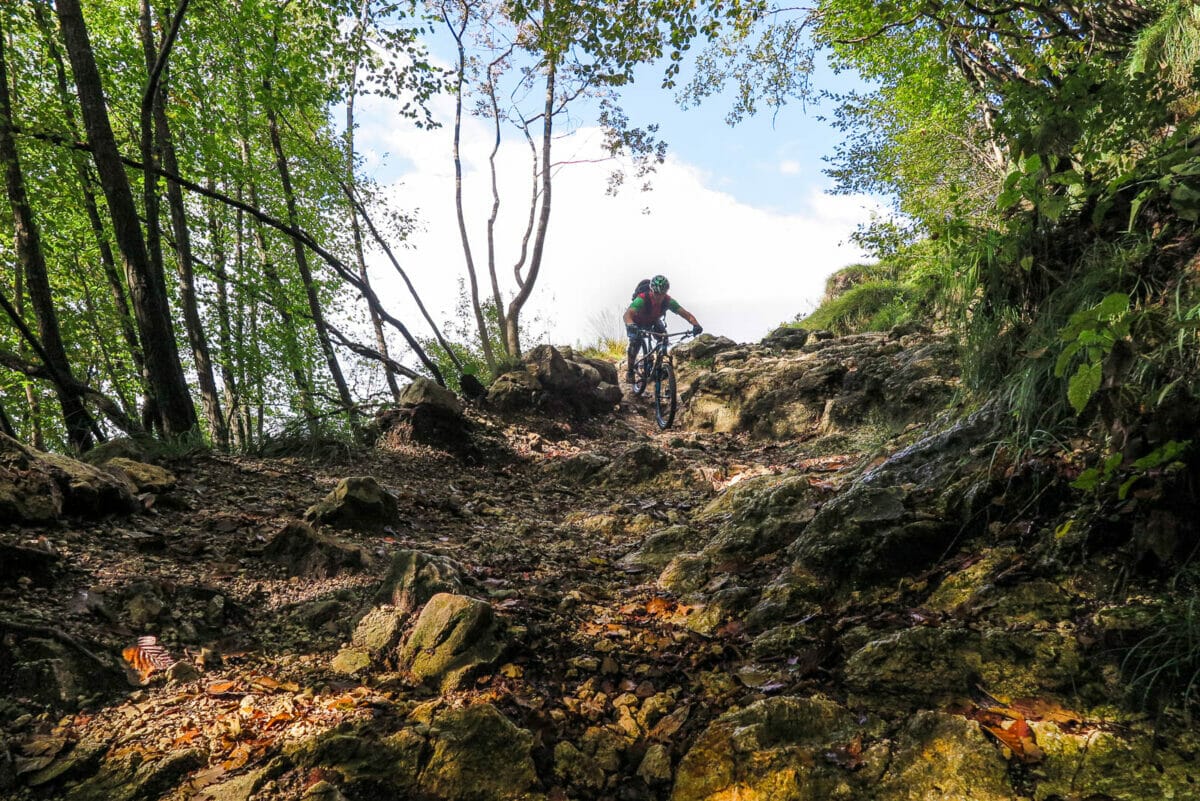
x: 655, y: 364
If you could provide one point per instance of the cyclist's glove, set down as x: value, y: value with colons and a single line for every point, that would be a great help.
x: 696, y: 329
x: 632, y: 331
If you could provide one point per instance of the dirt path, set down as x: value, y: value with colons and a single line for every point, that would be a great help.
x: 596, y: 646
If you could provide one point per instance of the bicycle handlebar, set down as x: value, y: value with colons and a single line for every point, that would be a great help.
x: 663, y: 334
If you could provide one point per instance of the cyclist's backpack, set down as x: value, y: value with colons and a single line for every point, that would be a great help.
x: 643, y: 286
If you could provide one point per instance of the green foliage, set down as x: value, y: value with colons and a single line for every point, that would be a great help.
x: 868, y: 306
x: 1163, y: 460
x: 463, y: 336
x: 1092, y: 334
x: 1163, y: 667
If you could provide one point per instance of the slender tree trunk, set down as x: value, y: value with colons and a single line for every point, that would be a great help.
x: 513, y: 329
x: 216, y: 239
x: 351, y: 181
x: 167, y: 385
x: 86, y: 188
x: 201, y: 359
x: 310, y: 287
x: 497, y: 299
x: 485, y: 340
x: 116, y: 370
x: 33, y: 401
x: 6, y: 425
x: 31, y: 261
x: 279, y: 300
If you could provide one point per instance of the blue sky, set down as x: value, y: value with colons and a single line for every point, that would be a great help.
x: 737, y: 219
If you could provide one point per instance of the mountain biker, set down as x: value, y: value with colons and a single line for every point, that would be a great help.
x: 648, y: 310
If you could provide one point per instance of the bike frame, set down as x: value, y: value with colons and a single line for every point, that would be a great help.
x: 655, y: 351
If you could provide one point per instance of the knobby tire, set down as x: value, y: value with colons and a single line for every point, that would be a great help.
x: 642, y: 366
x: 664, y: 396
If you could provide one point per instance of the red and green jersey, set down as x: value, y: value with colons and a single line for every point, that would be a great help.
x: 647, y: 309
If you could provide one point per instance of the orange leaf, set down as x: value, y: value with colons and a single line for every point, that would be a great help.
x: 263, y: 683
x: 1018, y: 738
x: 221, y: 687
x: 281, y: 717
x: 658, y: 606
x: 185, y: 737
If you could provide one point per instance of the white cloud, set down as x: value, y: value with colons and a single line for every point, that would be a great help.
x: 740, y: 269
x: 789, y: 167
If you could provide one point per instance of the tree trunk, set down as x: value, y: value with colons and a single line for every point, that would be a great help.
x: 216, y: 239
x: 351, y: 181
x: 278, y: 296
x: 31, y: 261
x: 513, y: 329
x: 201, y: 360
x: 165, y: 373
x: 86, y: 188
x: 485, y: 341
x: 310, y: 287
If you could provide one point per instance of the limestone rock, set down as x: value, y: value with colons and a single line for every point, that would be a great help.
x: 927, y: 666
x: 636, y: 464
x: 573, y: 767
x: 771, y: 749
x: 581, y: 467
x: 479, y: 755
x: 58, y: 675
x: 786, y: 338
x: 137, y: 450
x: 426, y: 391
x: 657, y: 550
x: 306, y: 553
x: 415, y: 577
x: 379, y: 630
x: 146, y: 477
x: 941, y: 756
x: 355, y: 503
x: 797, y: 383
x: 703, y: 347
x: 128, y: 777
x: 39, y: 487
x: 655, y: 767
x: 514, y: 391
x: 360, y: 756
x: 453, y: 637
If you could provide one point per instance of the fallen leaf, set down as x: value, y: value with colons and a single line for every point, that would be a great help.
x: 221, y: 687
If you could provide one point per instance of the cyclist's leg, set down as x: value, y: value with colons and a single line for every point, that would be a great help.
x: 631, y: 358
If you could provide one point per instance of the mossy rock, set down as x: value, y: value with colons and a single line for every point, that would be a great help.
x: 146, y: 477
x: 772, y: 749
x: 479, y: 755
x: 358, y: 502
x: 940, y: 756
x: 454, y: 637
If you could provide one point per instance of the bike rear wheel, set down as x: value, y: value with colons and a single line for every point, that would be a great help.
x: 664, y: 396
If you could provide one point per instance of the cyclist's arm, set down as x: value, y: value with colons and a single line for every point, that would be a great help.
x: 682, y: 312
x: 635, y: 306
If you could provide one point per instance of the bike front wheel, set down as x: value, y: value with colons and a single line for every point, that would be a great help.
x: 664, y: 396
x: 641, y: 372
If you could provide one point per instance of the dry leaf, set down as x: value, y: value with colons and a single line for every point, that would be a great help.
x: 221, y: 687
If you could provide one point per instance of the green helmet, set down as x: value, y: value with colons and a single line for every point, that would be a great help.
x: 659, y: 283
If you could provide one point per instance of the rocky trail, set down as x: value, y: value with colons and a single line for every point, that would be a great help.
x: 808, y: 590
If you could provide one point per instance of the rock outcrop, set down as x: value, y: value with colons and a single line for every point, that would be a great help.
x: 793, y: 384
